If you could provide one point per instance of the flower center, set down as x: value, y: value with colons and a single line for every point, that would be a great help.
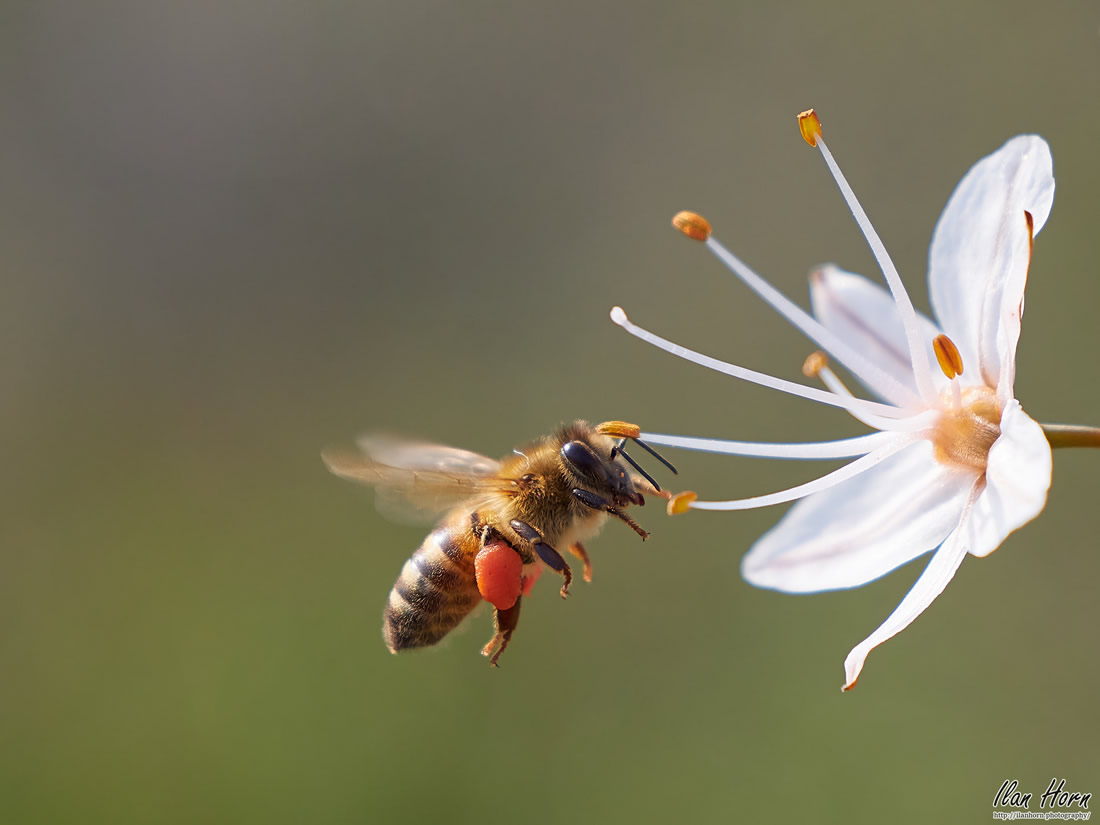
x: 963, y: 435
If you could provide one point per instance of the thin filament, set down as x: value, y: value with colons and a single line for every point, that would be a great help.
x: 850, y: 470
x: 841, y: 448
x: 874, y: 407
x: 920, y: 421
x: 921, y: 372
x: 814, y: 329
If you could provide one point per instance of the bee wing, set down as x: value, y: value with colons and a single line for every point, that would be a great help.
x: 415, y: 481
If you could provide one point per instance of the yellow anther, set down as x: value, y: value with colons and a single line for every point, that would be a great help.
x: 948, y: 355
x: 693, y: 225
x: 619, y: 429
x: 815, y: 362
x: 810, y: 126
x: 680, y: 502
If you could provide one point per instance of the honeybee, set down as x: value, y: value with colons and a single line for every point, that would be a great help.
x: 502, y: 519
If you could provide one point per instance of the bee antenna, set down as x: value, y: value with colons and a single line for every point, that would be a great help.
x: 653, y: 453
x: 619, y: 449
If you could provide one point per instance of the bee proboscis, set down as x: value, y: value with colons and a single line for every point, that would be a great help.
x: 503, y: 518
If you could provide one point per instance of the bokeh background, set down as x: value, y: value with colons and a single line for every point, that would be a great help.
x: 235, y: 233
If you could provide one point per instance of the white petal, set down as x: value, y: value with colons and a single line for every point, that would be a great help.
x: 863, y: 528
x: 931, y: 583
x: 979, y: 248
x: 865, y: 316
x: 1017, y: 481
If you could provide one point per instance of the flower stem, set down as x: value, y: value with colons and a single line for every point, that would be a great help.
x: 1070, y: 435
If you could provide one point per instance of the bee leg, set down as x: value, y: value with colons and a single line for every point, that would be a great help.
x: 600, y: 503
x: 504, y: 622
x: 545, y: 552
x: 582, y: 554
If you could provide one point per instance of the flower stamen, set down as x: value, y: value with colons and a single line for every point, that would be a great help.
x: 810, y: 126
x: 813, y: 329
x: 950, y: 361
x: 816, y: 365
x: 806, y: 450
x: 680, y: 503
x: 947, y: 354
x: 618, y: 315
x: 815, y: 362
x: 895, y: 444
x: 921, y: 372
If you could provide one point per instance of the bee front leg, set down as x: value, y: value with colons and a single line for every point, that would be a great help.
x: 545, y: 552
x: 600, y: 503
x: 504, y: 622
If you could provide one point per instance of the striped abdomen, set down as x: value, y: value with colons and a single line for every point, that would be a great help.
x: 435, y: 591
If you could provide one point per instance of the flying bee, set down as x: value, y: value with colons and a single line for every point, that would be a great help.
x: 502, y: 519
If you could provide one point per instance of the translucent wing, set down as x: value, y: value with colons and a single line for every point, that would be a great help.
x: 416, y: 481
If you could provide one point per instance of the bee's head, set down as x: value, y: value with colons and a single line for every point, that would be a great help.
x: 599, y: 472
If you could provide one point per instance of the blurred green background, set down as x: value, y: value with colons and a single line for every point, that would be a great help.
x: 235, y: 233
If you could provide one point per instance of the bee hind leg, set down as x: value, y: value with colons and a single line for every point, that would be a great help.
x: 504, y: 622
x: 545, y: 552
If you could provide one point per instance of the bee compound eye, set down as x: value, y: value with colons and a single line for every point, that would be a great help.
x: 581, y: 457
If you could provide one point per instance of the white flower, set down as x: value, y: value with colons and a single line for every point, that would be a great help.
x: 956, y: 464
